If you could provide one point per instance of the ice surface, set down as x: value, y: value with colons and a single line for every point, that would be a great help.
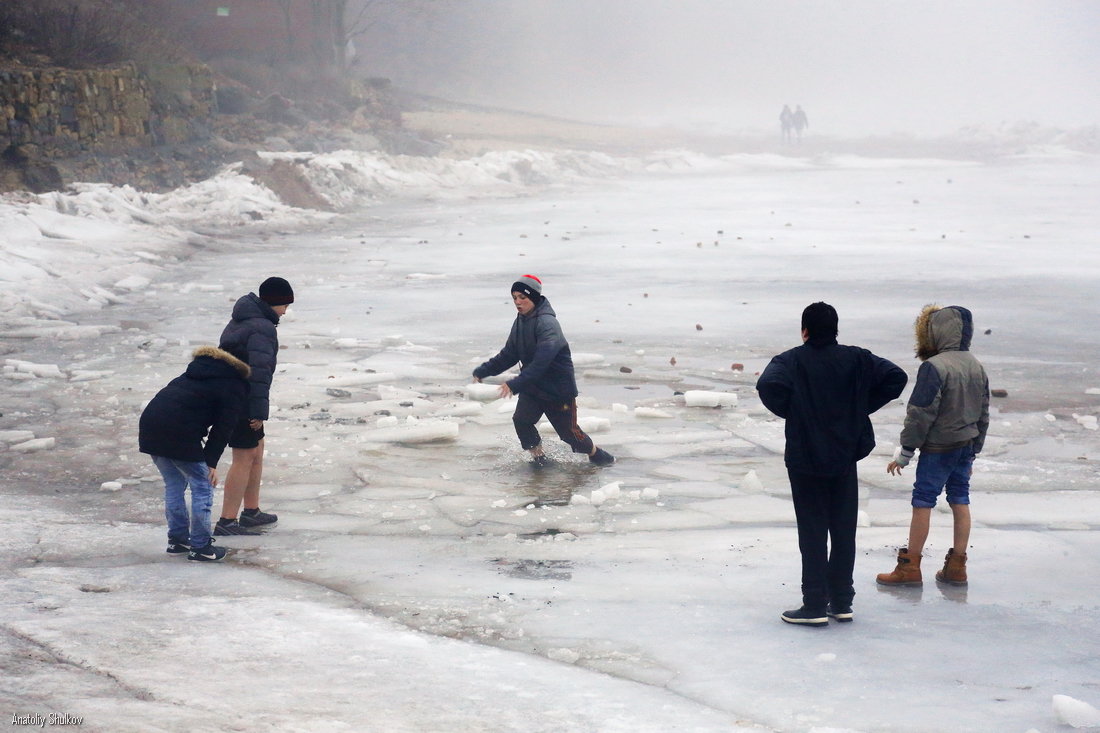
x: 423, y: 575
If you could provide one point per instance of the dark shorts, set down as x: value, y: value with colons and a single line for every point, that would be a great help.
x: 244, y: 436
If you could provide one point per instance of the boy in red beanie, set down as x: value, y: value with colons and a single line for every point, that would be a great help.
x: 546, y: 383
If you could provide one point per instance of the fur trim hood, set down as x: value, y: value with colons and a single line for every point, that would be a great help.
x: 215, y: 353
x: 940, y: 329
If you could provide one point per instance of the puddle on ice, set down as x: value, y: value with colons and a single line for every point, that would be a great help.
x: 535, y: 569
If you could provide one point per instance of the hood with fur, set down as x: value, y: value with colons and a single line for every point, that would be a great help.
x: 221, y: 355
x: 940, y: 329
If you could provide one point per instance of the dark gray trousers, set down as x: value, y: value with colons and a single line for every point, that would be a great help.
x: 562, y: 415
x: 826, y: 508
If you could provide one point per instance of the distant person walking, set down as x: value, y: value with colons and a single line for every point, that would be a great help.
x: 252, y: 330
x: 799, y: 121
x: 947, y: 419
x: 185, y: 428
x: 546, y: 383
x: 786, y: 122
x: 825, y: 392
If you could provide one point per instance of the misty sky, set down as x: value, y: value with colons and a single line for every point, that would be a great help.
x: 856, y: 66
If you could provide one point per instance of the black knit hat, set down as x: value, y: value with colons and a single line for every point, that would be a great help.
x: 820, y: 321
x: 276, y: 291
x: 530, y: 286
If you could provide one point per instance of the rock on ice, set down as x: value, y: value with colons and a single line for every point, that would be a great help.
x: 705, y: 398
x: 1076, y: 713
x: 110, y: 486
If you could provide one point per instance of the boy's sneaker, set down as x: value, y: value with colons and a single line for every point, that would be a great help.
x: 805, y: 617
x: 256, y: 518
x: 841, y: 612
x: 543, y: 461
x: 178, y: 548
x: 601, y: 458
x: 227, y: 527
x: 207, y: 554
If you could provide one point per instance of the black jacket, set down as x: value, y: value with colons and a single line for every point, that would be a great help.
x: 537, y: 342
x: 825, y: 392
x: 209, y: 396
x: 252, y: 329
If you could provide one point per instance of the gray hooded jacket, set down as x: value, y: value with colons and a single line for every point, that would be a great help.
x: 949, y: 407
x: 546, y: 364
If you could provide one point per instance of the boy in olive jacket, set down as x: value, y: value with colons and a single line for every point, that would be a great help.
x: 947, y: 419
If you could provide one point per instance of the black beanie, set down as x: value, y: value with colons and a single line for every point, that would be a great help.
x: 276, y: 291
x: 820, y: 321
x: 530, y: 286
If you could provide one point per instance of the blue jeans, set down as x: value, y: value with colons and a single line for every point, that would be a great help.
x: 178, y: 476
x: 935, y: 471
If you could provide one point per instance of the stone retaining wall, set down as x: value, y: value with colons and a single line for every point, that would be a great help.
x: 63, y: 112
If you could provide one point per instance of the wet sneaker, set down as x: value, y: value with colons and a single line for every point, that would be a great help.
x: 542, y: 461
x: 256, y: 518
x: 601, y: 458
x: 805, y: 617
x: 207, y: 554
x: 228, y: 527
x: 842, y: 613
x: 178, y: 548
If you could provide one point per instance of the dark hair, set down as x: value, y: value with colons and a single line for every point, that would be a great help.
x: 820, y: 321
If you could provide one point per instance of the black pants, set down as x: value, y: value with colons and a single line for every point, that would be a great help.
x: 826, y: 508
x: 562, y: 415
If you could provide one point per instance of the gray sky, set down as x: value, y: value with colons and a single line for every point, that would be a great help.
x: 856, y: 66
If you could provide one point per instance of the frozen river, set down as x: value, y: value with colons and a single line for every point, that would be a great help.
x: 444, y: 585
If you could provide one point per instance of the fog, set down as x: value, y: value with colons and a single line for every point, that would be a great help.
x: 859, y: 67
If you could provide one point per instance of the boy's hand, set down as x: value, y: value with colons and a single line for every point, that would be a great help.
x: 256, y: 424
x: 893, y: 468
x: 212, y: 474
x: 505, y: 390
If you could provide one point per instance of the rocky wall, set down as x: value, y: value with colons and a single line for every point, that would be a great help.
x: 65, y: 112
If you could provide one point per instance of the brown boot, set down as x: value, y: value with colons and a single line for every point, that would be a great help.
x: 954, y: 569
x: 906, y: 573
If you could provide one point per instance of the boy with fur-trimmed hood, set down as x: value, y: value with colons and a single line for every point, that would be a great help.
x: 185, y: 429
x: 947, y: 419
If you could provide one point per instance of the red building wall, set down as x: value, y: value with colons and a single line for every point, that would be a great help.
x: 249, y: 28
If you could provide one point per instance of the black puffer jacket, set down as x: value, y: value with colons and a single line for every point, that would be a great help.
x: 252, y: 329
x: 546, y: 364
x: 209, y: 396
x: 825, y: 392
